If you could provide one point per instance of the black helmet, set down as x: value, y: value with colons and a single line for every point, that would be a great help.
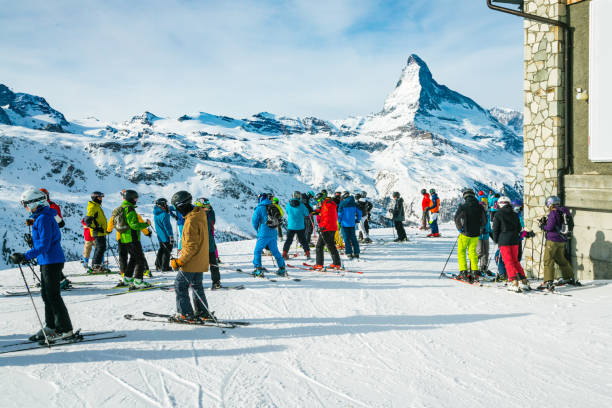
x: 324, y: 192
x: 357, y: 196
x: 338, y: 194
x: 263, y: 196
x: 345, y: 194
x: 130, y: 196
x: 161, y: 202
x: 396, y: 194
x: 96, y: 195
x: 468, y: 192
x: 297, y: 194
x: 432, y: 191
x: 320, y: 196
x: 181, y: 199
x: 423, y: 191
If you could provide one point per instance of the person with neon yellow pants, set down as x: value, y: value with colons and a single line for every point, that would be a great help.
x: 470, y: 219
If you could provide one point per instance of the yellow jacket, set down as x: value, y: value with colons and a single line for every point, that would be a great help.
x: 95, y: 219
x: 111, y: 226
x: 194, y: 242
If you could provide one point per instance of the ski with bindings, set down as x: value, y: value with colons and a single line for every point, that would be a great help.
x: 165, y: 318
x: 86, y: 334
x: 125, y: 292
x: 327, y: 269
x: 77, y: 338
x: 35, y: 292
x: 455, y: 278
x: 275, y: 279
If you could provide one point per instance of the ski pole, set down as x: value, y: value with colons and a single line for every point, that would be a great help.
x: 114, y: 255
x: 34, y: 305
x: 449, y: 255
x: 34, y: 275
x: 152, y: 244
x: 541, y: 250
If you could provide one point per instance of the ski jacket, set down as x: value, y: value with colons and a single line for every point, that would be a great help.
x: 398, y: 210
x: 280, y: 209
x: 554, y: 223
x: 86, y: 232
x: 134, y: 221
x: 296, y: 213
x: 46, y: 237
x: 111, y: 227
x: 426, y: 202
x: 327, y: 218
x: 95, y: 219
x: 434, y: 206
x: 260, y: 216
x: 194, y: 242
x: 506, y: 227
x: 348, y: 212
x: 470, y: 218
x: 210, y: 219
x: 163, y: 227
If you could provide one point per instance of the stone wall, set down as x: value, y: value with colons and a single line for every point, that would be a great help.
x: 544, y: 118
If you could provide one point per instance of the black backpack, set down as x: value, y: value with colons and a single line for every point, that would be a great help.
x: 567, y: 225
x: 274, y: 216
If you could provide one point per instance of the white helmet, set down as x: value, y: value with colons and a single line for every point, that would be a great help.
x: 504, y: 201
x: 32, y: 199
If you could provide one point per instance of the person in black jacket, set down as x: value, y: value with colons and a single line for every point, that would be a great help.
x: 398, y: 217
x: 506, y: 233
x: 470, y: 219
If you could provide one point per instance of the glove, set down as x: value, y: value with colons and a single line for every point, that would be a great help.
x: 28, y: 239
x: 175, y: 264
x: 29, y: 222
x: 17, y: 258
x: 149, y: 232
x: 542, y: 222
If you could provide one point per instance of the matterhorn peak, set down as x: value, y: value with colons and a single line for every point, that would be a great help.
x: 415, y: 76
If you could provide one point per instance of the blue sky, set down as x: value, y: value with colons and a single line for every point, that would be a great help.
x: 331, y: 59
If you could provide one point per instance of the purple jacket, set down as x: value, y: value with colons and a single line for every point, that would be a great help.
x: 554, y: 223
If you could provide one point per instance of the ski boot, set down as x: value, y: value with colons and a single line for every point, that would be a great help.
x: 216, y: 286
x: 524, y: 285
x: 317, y: 267
x: 514, y: 287
x: 140, y: 284
x: 307, y: 253
x: 463, y: 275
x: 367, y: 240
x: 258, y: 272
x: 182, y: 318
x: 349, y: 256
x: 285, y: 256
x: 282, y: 271
x: 571, y: 281
x: 60, y: 336
x: 356, y: 256
x: 85, y: 262
x: 335, y: 267
x: 40, y: 336
x: 147, y: 273
x: 546, y: 286
x: 65, y: 284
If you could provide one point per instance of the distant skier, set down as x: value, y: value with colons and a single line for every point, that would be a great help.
x: 265, y: 220
x: 97, y: 223
x: 327, y: 220
x: 470, y: 219
x: 348, y: 214
x: 308, y: 221
x: 215, y: 275
x: 165, y: 235
x: 434, y: 209
x: 193, y: 262
x: 506, y: 233
x: 88, y: 244
x: 425, y: 203
x: 365, y: 207
x: 493, y: 206
x: 47, y: 249
x: 296, y: 214
x: 398, y: 216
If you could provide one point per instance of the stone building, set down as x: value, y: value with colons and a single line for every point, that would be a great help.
x: 568, y: 148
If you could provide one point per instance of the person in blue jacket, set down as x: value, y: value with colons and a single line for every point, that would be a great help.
x: 348, y: 214
x: 47, y: 250
x: 165, y: 236
x: 297, y: 213
x: 266, y: 237
x: 180, y: 221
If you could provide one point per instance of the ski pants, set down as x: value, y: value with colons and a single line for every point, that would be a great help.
x: 351, y: 245
x: 362, y: 226
x: 483, y: 254
x: 280, y: 231
x: 162, y: 260
x: 434, y: 224
x: 301, y: 238
x: 98, y: 258
x: 326, y: 239
x: 308, y: 229
x: 367, y: 224
x: 183, y: 281
x: 136, y: 264
x: 469, y: 244
x: 425, y: 220
x: 123, y: 256
x: 215, y: 276
x: 87, y: 248
x: 509, y: 254
x: 401, y: 232
x: 56, y: 314
x: 554, y: 252
x: 262, y: 243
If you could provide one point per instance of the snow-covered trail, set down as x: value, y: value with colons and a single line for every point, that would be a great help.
x: 395, y: 336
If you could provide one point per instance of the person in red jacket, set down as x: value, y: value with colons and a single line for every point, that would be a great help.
x: 424, y: 204
x: 327, y: 220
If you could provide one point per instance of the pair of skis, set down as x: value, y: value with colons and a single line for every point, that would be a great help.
x: 76, y: 338
x: 166, y: 318
x: 328, y: 269
x: 481, y: 284
x: 275, y: 279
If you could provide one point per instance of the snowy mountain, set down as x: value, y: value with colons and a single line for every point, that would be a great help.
x: 426, y: 136
x: 509, y: 117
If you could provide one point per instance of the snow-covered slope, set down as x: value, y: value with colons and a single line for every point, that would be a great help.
x: 426, y: 136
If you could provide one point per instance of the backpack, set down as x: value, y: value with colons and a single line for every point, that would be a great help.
x: 274, y: 216
x: 567, y: 226
x: 119, y: 221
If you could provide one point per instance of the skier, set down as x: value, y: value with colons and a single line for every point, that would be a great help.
x: 348, y: 214
x: 47, y: 249
x: 193, y: 261
x: 483, y: 242
x: 506, y: 233
x: 470, y: 219
x: 426, y: 202
x: 337, y: 198
x: 215, y: 276
x: 308, y: 221
x: 64, y: 283
x: 276, y: 203
x: 165, y: 235
x: 398, y: 217
x: 129, y: 229
x: 434, y: 208
x: 297, y: 213
x: 364, y: 206
x: 265, y: 221
x: 88, y: 245
x: 96, y: 221
x: 327, y: 221
x: 554, y: 251
x: 493, y: 206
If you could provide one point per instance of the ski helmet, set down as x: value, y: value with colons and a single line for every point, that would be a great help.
x: 297, y: 195
x: 468, y: 192
x: 202, y: 202
x: 517, y: 203
x: 181, y: 199
x: 345, y: 194
x: 46, y: 192
x: 358, y: 196
x: 311, y: 193
x: 130, y: 196
x: 432, y: 191
x: 161, y: 202
x: 32, y: 199
x: 396, y: 194
x: 262, y: 196
x: 97, y: 196
x: 553, y: 201
x: 275, y: 200
x: 423, y: 191
x: 323, y: 193
x: 320, y: 196
x: 338, y: 194
x: 503, y: 201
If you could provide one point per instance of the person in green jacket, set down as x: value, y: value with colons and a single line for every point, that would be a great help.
x: 131, y: 238
x: 95, y: 220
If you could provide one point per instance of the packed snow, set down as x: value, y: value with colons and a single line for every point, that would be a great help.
x: 397, y: 335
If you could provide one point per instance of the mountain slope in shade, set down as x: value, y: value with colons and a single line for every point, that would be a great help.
x: 509, y: 117
x: 426, y: 136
